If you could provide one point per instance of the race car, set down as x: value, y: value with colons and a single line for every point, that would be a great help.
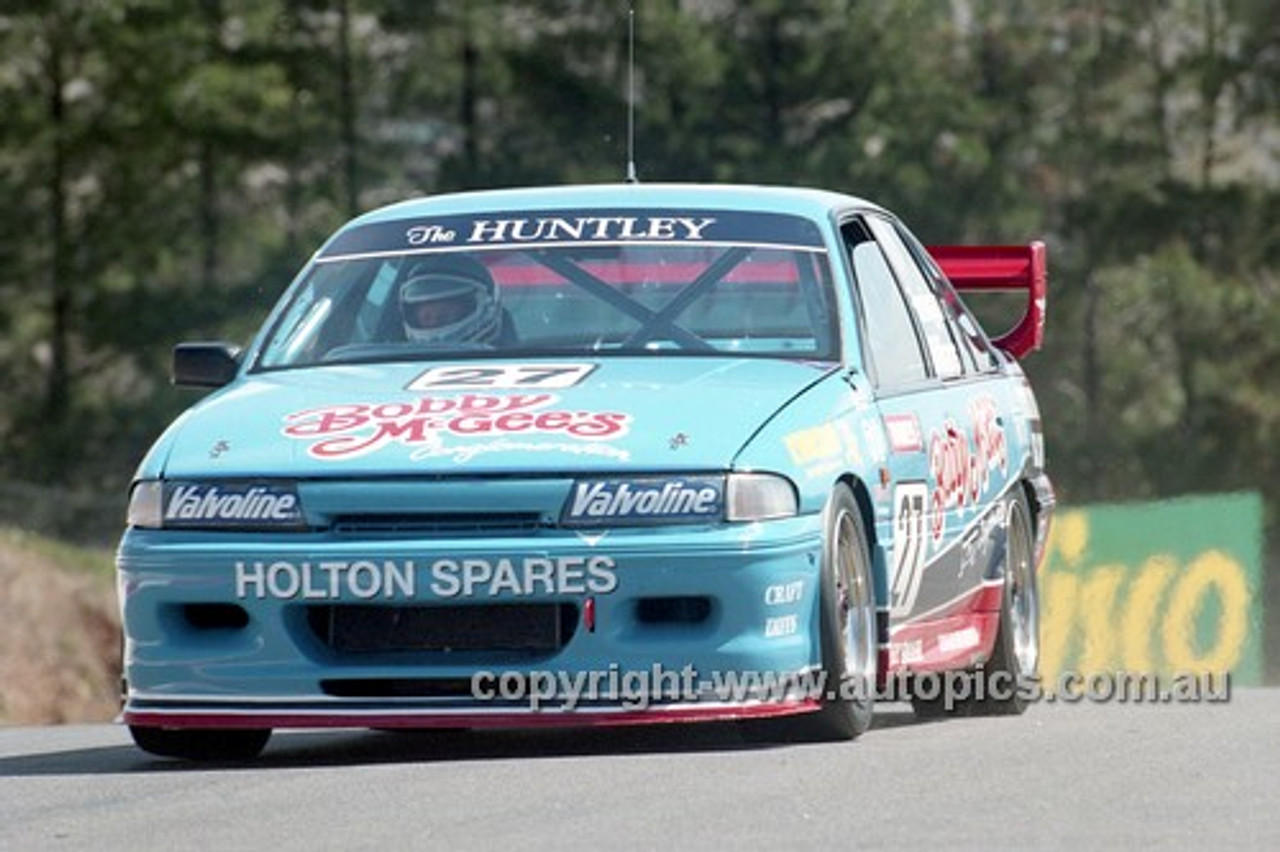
x: 593, y: 455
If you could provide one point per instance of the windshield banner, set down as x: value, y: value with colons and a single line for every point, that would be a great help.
x: 515, y: 229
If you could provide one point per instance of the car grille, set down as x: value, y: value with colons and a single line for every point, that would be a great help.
x: 438, y: 524
x: 515, y: 631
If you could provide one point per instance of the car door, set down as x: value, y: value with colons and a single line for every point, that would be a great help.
x: 940, y: 401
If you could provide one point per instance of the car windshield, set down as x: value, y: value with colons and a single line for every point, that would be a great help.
x: 643, y: 283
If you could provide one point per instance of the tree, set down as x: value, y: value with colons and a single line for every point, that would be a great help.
x: 169, y: 166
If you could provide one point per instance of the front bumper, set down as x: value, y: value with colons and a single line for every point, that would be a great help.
x: 307, y: 630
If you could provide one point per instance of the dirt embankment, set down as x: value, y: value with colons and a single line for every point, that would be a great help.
x: 59, y: 642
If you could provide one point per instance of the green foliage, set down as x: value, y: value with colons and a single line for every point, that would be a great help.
x: 169, y: 165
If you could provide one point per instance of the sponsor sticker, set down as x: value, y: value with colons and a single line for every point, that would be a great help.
x: 521, y: 228
x: 961, y: 465
x: 904, y: 433
x: 361, y: 579
x: 958, y: 640
x: 903, y: 653
x: 347, y: 431
x: 815, y: 444
x: 781, y: 594
x: 529, y: 229
x: 386, y: 580
x: 222, y: 505
x: 824, y: 449
x: 621, y: 502
x: 534, y: 575
x: 781, y: 626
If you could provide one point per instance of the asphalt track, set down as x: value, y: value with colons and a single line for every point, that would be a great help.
x: 1079, y: 776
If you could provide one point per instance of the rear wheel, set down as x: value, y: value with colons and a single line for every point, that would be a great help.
x: 1017, y: 649
x: 201, y: 743
x: 847, y: 625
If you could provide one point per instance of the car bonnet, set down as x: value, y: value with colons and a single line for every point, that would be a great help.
x: 477, y: 417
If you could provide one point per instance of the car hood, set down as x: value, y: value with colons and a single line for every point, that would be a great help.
x: 619, y: 415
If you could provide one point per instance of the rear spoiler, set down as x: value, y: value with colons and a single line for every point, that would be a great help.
x: 1003, y: 268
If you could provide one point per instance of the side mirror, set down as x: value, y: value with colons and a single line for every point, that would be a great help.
x: 205, y: 365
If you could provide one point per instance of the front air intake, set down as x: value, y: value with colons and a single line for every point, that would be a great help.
x: 516, y: 631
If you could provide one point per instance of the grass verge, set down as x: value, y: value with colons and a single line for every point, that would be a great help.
x: 59, y: 632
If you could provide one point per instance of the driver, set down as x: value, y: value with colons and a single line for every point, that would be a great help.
x: 450, y: 300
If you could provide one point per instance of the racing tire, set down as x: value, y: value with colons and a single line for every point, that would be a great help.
x: 847, y: 626
x: 1017, y: 649
x: 1016, y: 652
x: 201, y: 743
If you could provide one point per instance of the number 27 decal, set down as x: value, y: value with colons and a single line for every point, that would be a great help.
x: 460, y: 377
x: 909, y: 540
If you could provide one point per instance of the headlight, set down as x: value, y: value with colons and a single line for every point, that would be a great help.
x: 760, y: 497
x: 146, y: 504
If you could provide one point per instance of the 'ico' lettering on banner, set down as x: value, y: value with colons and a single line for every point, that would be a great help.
x: 1190, y: 610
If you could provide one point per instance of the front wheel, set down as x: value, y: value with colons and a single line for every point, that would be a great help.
x: 847, y: 626
x: 201, y: 743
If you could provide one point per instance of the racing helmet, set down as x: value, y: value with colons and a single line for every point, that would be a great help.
x: 450, y: 300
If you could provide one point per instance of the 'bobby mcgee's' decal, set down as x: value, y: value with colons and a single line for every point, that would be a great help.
x: 391, y: 579
x: 961, y: 473
x: 346, y: 431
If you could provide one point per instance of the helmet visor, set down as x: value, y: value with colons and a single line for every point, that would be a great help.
x: 444, y: 307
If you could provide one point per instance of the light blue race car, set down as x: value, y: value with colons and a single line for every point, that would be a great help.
x: 595, y: 455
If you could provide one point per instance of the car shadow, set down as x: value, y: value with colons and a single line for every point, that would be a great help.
x: 348, y: 747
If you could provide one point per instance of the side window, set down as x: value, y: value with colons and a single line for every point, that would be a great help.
x: 972, y: 341
x: 895, y: 348
x: 978, y: 351
x: 923, y: 300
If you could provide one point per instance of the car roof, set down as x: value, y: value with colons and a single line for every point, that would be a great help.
x: 798, y: 201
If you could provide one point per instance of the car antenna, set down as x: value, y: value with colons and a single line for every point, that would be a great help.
x: 631, y: 94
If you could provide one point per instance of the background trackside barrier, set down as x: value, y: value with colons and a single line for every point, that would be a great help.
x: 1167, y: 588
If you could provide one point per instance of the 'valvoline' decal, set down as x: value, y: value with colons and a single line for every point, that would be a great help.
x: 200, y: 504
x: 621, y: 502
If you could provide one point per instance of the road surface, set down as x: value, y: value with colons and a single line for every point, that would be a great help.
x: 1079, y: 776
